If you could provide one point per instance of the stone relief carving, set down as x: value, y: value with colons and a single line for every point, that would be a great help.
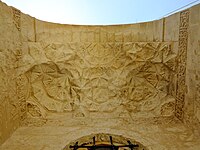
x: 10, y: 55
x: 91, y: 77
x: 17, y: 18
x: 197, y: 102
x: 86, y: 77
x: 22, y: 94
x: 9, y: 102
x: 181, y: 59
x: 1, y: 123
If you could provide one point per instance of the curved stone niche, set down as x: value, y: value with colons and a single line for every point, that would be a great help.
x: 103, y: 138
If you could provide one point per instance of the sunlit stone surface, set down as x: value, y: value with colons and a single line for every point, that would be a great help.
x: 66, y: 83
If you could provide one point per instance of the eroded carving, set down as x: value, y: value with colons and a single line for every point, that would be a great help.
x: 181, y: 59
x: 96, y: 72
x: 22, y: 94
x: 17, y: 18
x: 95, y: 77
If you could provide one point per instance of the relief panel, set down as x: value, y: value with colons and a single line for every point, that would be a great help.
x: 181, y: 66
x: 100, y: 77
x: 17, y: 18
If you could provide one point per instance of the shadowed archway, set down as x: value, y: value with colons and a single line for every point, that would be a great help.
x: 103, y: 139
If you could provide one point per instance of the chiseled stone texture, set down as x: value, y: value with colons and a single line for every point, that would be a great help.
x: 62, y: 83
x: 192, y: 101
x: 12, y: 96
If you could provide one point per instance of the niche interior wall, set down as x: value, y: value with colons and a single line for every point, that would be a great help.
x: 60, y: 83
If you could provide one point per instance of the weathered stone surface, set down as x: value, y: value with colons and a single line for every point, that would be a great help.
x: 171, y: 27
x: 10, y: 54
x: 192, y: 103
x: 64, y: 83
x: 101, y: 77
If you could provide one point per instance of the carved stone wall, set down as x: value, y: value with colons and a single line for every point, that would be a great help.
x: 192, y: 103
x: 181, y: 60
x: 100, y: 77
x: 88, y: 77
x: 11, y: 111
x: 13, y: 91
x: 90, y: 70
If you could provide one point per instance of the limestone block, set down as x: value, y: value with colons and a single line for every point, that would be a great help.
x: 48, y: 32
x: 135, y: 32
x: 7, y: 23
x: 28, y: 28
x: 192, y: 80
x: 198, y: 114
x: 171, y: 27
x: 158, y: 30
x: 194, y: 15
x: 148, y: 31
x: 10, y: 53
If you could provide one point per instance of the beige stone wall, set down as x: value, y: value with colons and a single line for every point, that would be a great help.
x: 117, y: 70
x: 93, y: 79
x: 192, y: 103
x: 12, y: 102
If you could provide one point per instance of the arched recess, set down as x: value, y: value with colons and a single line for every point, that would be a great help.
x: 103, y: 138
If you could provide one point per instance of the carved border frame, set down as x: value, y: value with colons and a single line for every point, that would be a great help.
x: 181, y: 64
